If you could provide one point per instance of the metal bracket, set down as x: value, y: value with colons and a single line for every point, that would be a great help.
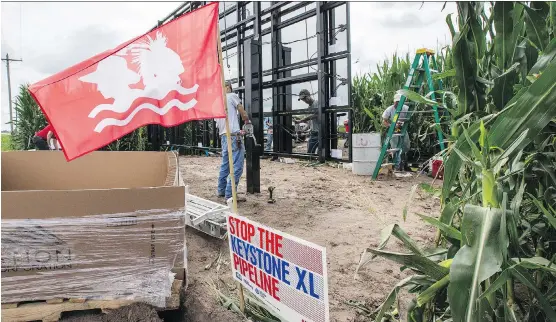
x: 249, y: 132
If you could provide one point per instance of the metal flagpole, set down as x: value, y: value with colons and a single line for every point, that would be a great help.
x: 230, y: 156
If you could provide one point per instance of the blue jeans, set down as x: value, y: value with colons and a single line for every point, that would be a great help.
x: 268, y: 146
x: 238, y: 156
x: 313, y: 143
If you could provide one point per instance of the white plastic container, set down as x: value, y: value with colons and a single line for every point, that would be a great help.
x: 366, y: 150
x: 361, y: 168
x: 366, y: 154
x: 336, y: 153
x: 366, y: 140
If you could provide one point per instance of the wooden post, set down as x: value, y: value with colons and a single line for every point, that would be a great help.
x: 230, y: 156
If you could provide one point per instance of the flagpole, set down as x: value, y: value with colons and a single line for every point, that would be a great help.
x: 228, y: 136
x: 230, y: 152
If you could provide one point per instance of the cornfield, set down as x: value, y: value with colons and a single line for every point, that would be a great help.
x: 496, y: 243
x: 29, y: 119
x: 374, y: 92
x: 134, y: 141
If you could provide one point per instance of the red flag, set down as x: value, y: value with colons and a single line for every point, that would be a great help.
x: 168, y: 76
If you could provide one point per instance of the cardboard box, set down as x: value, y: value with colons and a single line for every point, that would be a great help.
x: 106, y: 225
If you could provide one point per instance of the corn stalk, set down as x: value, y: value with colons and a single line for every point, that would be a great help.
x: 30, y: 119
x: 498, y: 218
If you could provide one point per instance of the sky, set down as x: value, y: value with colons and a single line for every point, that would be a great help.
x: 51, y: 36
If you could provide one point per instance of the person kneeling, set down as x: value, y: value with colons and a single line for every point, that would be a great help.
x: 42, y: 137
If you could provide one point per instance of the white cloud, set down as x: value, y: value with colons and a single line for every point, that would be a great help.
x: 51, y: 36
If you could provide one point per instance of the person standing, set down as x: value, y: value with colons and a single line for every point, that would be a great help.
x: 346, y: 127
x: 313, y: 143
x: 387, y: 119
x: 234, y: 106
x: 268, y: 146
x: 42, y: 138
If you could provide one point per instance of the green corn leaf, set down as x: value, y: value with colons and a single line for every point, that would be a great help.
x: 448, y: 230
x: 417, y: 262
x: 483, y: 137
x: 535, y: 26
x: 535, y: 263
x: 390, y: 230
x: 553, y: 18
x: 503, y: 237
x: 512, y: 148
x: 465, y: 71
x: 546, y: 58
x: 445, y: 74
x: 479, y: 258
x: 549, y: 216
x: 508, y: 71
x: 429, y: 189
x: 532, y: 108
x: 396, y: 231
x: 503, y: 24
x: 526, y: 279
x: 513, y: 219
x: 502, y: 90
x: 476, y: 153
x: 478, y: 35
x: 427, y: 295
x: 387, y: 304
x: 449, y: 210
x: 498, y: 284
x: 450, y: 25
x: 546, y: 164
x: 466, y: 158
x: 417, y: 98
x: 551, y: 291
x: 484, y: 81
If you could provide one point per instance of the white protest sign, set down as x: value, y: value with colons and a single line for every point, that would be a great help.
x: 286, y: 273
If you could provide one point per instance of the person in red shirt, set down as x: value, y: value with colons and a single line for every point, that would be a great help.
x: 346, y: 126
x: 42, y: 137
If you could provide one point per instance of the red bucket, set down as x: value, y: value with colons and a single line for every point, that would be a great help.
x: 437, y: 169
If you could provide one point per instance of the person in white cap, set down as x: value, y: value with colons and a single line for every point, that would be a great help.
x: 313, y: 142
x: 387, y: 119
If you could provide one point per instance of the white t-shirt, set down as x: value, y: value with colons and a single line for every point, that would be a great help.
x: 391, y: 110
x: 232, y: 101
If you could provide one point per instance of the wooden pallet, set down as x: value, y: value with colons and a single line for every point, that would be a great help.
x: 51, y: 310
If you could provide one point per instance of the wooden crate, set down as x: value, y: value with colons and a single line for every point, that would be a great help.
x: 51, y: 310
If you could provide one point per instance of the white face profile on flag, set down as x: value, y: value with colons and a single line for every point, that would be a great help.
x: 159, y: 70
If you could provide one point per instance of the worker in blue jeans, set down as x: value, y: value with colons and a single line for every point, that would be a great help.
x: 234, y: 106
x: 268, y: 146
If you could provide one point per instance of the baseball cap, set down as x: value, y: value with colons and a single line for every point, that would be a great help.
x: 303, y: 93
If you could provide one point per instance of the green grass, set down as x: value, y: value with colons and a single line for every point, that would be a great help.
x: 7, y: 142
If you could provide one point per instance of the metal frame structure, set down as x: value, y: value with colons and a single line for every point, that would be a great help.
x: 246, y: 36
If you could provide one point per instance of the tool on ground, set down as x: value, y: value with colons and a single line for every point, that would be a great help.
x: 420, y: 71
x: 270, y: 199
x: 249, y: 132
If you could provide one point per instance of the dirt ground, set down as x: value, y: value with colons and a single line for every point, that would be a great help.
x: 325, y: 205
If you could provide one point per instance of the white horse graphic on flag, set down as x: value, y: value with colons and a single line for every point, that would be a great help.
x: 159, y: 68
